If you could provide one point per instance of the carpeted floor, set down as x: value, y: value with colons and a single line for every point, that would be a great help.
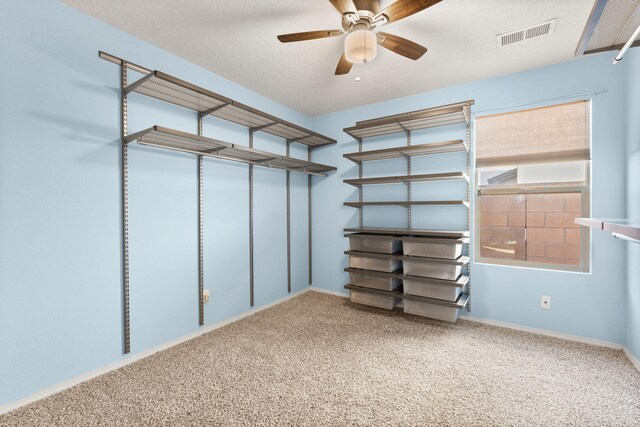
x: 318, y: 360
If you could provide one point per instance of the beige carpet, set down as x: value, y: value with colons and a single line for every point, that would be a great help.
x: 318, y: 360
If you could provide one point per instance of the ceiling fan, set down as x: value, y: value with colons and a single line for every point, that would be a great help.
x: 359, y: 19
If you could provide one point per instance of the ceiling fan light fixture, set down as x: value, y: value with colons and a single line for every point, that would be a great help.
x: 360, y: 46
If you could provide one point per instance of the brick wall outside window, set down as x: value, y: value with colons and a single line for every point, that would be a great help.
x: 531, y: 227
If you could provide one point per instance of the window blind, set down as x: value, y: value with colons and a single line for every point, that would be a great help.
x: 547, y: 134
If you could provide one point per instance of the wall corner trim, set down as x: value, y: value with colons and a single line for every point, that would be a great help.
x: 57, y: 388
x: 632, y: 358
x: 327, y: 291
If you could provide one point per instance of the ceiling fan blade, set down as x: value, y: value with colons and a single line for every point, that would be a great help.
x: 344, y: 6
x: 400, y: 9
x: 344, y: 66
x: 308, y: 35
x: 401, y: 46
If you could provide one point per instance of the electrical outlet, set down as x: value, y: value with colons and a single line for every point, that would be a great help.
x: 206, y: 296
x: 545, y: 302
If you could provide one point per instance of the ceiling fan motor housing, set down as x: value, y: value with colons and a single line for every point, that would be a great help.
x: 367, y: 10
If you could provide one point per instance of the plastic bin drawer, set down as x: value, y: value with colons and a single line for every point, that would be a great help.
x: 373, y: 243
x: 433, y: 267
x: 447, y: 290
x: 433, y: 247
x: 373, y: 297
x: 434, y: 309
x: 373, y: 261
x: 374, y: 279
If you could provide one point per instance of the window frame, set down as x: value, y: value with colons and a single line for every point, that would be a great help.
x: 523, y: 189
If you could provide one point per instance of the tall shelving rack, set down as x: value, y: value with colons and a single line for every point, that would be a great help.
x: 376, y: 253
x: 164, y: 87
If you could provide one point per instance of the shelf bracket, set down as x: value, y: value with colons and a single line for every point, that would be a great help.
x: 214, y: 109
x: 465, y: 113
x: 625, y: 238
x: 215, y: 150
x: 261, y: 127
x: 263, y: 161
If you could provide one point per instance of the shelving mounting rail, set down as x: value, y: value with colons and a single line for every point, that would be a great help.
x: 173, y: 90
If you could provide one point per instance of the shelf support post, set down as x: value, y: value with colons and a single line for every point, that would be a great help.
x: 360, y: 213
x: 288, y: 222
x: 467, y: 109
x: 309, y: 182
x: 124, y: 178
x: 200, y: 232
x: 408, y: 183
x: 251, y: 224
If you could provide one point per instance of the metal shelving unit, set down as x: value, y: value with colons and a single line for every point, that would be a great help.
x: 446, y: 115
x: 164, y: 87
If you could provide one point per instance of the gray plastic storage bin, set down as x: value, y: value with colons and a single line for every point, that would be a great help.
x: 372, y: 261
x: 447, y: 290
x: 433, y: 247
x: 373, y: 243
x: 373, y: 279
x: 373, y: 297
x: 441, y: 310
x: 434, y: 267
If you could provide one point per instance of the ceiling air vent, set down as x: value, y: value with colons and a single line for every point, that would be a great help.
x: 534, y: 31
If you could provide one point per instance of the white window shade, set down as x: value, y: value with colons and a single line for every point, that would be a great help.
x: 558, y: 133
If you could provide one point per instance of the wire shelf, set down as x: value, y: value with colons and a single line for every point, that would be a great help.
x: 409, y: 232
x: 171, y: 139
x: 407, y: 203
x: 408, y: 151
x: 422, y: 119
x: 445, y: 176
x: 159, y: 85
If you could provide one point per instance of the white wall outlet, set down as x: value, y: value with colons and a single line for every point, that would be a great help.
x: 206, y: 296
x: 545, y: 302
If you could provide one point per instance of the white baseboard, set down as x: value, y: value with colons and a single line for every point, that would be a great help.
x: 568, y: 337
x: 634, y: 360
x: 560, y: 335
x: 327, y: 291
x: 46, y: 392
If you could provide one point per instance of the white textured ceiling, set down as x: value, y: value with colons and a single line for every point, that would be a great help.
x: 237, y: 40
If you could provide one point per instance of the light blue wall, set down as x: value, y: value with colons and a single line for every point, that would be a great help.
x: 60, y: 285
x: 60, y: 272
x: 589, y: 305
x: 632, y: 61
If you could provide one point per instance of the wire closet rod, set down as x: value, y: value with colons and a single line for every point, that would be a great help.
x: 540, y: 101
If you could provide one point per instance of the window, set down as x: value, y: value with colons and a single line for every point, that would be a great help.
x: 532, y: 181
